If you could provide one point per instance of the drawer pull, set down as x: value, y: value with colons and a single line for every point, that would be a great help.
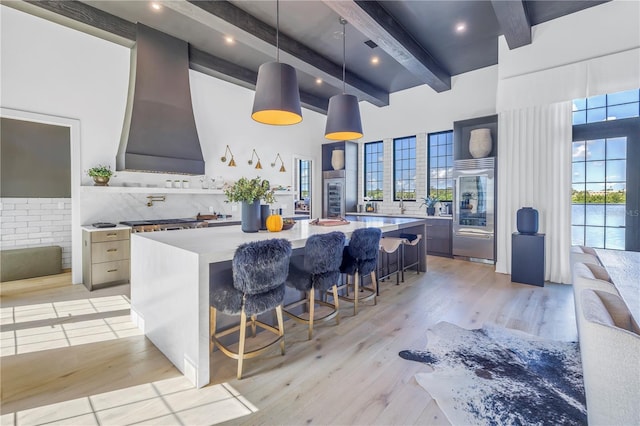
x: 111, y: 250
x: 112, y: 234
x: 429, y: 225
x: 113, y: 270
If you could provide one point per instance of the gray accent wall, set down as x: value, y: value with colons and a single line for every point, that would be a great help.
x: 35, y: 160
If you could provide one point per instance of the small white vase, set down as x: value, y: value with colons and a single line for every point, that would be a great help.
x: 337, y: 159
x: 480, y: 143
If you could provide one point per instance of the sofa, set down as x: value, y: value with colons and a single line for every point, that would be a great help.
x: 609, y: 340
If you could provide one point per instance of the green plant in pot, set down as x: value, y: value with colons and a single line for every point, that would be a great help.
x: 249, y: 192
x: 100, y: 174
x: 430, y: 201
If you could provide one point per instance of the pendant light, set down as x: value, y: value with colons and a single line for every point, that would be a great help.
x: 277, y: 98
x: 343, y: 115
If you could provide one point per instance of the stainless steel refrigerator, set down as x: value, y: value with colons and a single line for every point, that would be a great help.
x: 474, y: 208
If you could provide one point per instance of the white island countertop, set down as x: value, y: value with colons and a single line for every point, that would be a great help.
x: 217, y: 244
x: 172, y: 271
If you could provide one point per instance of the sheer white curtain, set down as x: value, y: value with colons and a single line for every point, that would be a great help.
x: 534, y: 170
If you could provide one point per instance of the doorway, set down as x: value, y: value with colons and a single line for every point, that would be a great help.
x: 303, y: 186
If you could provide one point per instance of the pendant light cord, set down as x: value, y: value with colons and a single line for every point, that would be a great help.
x: 344, y: 54
x: 277, y: 31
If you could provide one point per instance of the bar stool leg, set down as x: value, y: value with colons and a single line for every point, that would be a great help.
x: 356, y: 291
x: 312, y: 306
x: 243, y: 335
x: 212, y: 328
x: 336, y: 304
x: 280, y: 327
x: 374, y: 282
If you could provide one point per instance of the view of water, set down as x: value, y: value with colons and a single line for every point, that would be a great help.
x: 598, y: 225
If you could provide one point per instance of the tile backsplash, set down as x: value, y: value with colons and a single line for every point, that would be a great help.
x: 34, y: 222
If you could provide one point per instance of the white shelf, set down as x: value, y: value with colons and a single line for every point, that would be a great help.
x: 158, y: 190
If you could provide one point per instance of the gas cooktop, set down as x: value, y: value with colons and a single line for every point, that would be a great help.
x: 151, y: 225
x: 158, y: 221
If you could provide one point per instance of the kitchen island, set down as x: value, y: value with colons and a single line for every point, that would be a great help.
x: 171, y: 273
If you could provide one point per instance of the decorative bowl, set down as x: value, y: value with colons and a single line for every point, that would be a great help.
x: 288, y: 225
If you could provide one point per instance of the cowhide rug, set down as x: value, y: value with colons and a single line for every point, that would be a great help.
x: 499, y: 376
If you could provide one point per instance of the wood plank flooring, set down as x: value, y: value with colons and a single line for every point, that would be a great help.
x: 348, y: 374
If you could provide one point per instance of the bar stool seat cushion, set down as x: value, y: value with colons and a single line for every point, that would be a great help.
x: 255, y: 304
x: 226, y: 298
x: 259, y: 273
x: 361, y: 255
x: 319, y: 267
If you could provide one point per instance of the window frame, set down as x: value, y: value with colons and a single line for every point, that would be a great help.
x: 429, y: 166
x: 394, y: 177
x: 366, y: 163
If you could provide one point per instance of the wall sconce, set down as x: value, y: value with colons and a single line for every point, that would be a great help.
x: 255, y: 154
x: 232, y: 163
x: 282, y: 169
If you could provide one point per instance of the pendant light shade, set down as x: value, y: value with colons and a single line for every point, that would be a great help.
x: 277, y: 98
x: 343, y: 115
x: 343, y: 118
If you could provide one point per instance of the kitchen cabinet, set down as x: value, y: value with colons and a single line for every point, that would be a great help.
x: 105, y: 256
x: 347, y: 176
x: 439, y: 237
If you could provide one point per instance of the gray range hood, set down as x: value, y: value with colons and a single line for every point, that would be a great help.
x: 159, y: 133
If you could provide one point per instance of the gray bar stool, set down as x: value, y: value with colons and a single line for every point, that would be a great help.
x: 260, y: 269
x: 360, y: 258
x: 415, y: 241
x: 388, y: 246
x: 318, y: 269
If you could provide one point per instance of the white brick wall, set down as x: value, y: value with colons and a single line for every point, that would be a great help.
x: 33, y: 222
x: 388, y: 206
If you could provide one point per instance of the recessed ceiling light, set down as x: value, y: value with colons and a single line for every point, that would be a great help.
x: 229, y: 40
x: 156, y: 6
x: 461, y: 27
x: 375, y: 60
x: 318, y: 81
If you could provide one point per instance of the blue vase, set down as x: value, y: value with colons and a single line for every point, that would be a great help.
x: 250, y: 216
x: 264, y: 214
x: 527, y: 220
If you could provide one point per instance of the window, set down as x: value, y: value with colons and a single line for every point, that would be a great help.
x: 599, y: 193
x: 404, y: 168
x: 373, y: 170
x: 440, y: 177
x: 305, y: 180
x: 607, y: 107
x: 606, y: 138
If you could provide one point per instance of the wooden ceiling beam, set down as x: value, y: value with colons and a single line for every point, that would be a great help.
x: 260, y: 35
x: 85, y: 18
x: 514, y: 22
x: 372, y: 20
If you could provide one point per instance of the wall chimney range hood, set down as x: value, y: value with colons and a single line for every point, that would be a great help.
x: 159, y: 132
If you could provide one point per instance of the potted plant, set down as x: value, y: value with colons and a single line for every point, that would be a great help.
x: 100, y: 174
x: 430, y: 201
x: 249, y: 192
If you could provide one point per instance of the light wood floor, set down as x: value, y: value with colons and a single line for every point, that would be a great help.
x: 348, y: 374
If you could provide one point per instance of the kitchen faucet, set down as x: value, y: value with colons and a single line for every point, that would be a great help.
x: 402, y: 209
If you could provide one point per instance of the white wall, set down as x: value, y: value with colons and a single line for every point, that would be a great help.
x: 52, y: 70
x: 591, y: 52
x: 34, y: 222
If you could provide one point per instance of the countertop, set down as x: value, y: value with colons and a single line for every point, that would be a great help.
x: 400, y: 216
x: 215, y: 244
x: 90, y: 228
